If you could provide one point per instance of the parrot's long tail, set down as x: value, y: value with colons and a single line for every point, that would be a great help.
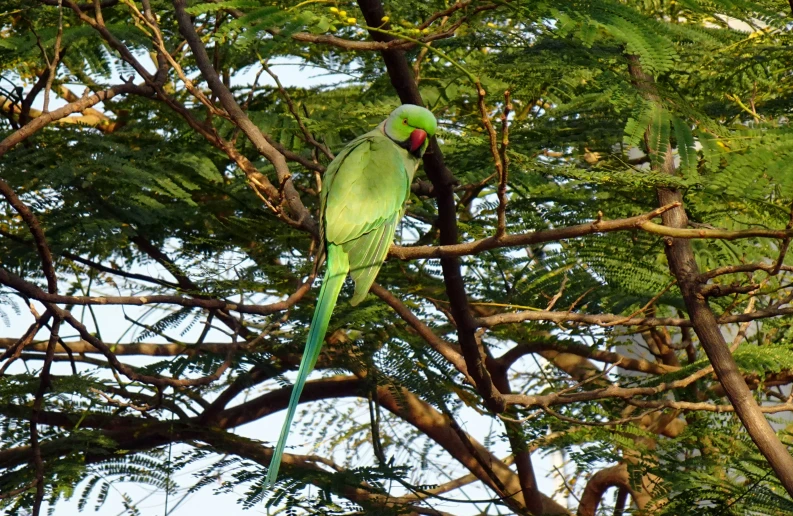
x: 338, y: 266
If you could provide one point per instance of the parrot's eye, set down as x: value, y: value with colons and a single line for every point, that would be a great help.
x: 405, y: 121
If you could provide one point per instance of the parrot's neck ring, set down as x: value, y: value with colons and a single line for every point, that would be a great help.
x: 405, y: 144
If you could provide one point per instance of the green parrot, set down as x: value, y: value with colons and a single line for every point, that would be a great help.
x: 362, y: 200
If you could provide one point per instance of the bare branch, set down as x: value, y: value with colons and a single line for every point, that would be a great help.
x: 526, y: 239
x: 632, y: 364
x: 500, y: 158
x: 44, y: 385
x: 11, y: 280
x: 38, y: 234
x: 73, y: 107
x: 502, y: 183
x: 601, y: 481
x: 241, y: 120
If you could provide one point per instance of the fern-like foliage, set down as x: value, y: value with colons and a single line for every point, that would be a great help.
x: 158, y: 192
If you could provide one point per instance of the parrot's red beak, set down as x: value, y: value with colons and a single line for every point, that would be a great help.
x: 417, y: 138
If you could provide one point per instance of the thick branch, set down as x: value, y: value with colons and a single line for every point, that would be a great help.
x: 73, y: 107
x: 132, y: 433
x: 240, y: 119
x: 124, y: 441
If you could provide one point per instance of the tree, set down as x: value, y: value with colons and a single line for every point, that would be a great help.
x: 610, y: 192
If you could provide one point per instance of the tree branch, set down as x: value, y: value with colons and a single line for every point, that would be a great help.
x: 632, y: 364
x: 32, y: 291
x: 34, y: 226
x: 44, y: 385
x: 441, y: 346
x: 641, y: 222
x: 241, y: 120
x: 73, y: 107
x: 607, y: 320
x: 601, y: 481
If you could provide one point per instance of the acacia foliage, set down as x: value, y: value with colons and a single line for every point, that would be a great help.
x: 165, y: 175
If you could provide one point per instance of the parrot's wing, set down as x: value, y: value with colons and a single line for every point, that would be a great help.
x: 328, y: 178
x: 362, y: 204
x: 367, y: 253
x: 365, y: 190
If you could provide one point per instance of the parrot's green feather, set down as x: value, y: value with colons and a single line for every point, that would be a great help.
x: 331, y: 286
x: 356, y: 202
x: 363, y: 194
x: 363, y: 209
x: 367, y: 253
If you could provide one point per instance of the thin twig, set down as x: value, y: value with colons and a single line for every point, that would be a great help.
x: 783, y: 247
x: 744, y: 326
x: 500, y: 172
x: 53, y: 64
x: 614, y: 422
x: 16, y: 348
x: 502, y: 183
x: 425, y: 50
x: 159, y: 43
x: 291, y: 106
x: 645, y: 307
x: 566, y: 484
x: 558, y: 294
x: 123, y: 404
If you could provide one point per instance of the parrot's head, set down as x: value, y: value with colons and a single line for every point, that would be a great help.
x: 411, y: 127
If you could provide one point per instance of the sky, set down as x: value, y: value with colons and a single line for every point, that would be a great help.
x: 205, y: 502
